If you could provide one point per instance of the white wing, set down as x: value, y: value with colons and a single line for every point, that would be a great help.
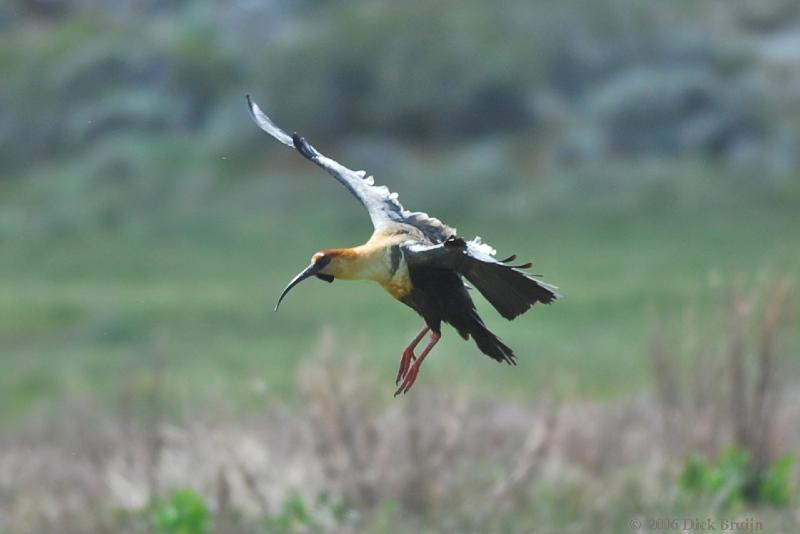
x: 382, y: 205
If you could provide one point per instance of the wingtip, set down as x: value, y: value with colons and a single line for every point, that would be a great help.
x: 265, y: 123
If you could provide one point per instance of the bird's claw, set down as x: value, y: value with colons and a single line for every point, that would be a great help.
x: 408, y: 380
x: 405, y: 363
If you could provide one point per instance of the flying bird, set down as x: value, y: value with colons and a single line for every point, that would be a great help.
x: 421, y: 262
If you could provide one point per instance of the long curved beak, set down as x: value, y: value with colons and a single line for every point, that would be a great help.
x: 308, y: 272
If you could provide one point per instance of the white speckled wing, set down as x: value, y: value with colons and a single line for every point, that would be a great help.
x: 382, y: 205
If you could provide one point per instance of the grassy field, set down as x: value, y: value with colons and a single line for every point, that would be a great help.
x: 90, y: 312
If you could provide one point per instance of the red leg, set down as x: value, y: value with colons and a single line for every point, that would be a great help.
x: 411, y: 374
x: 408, y: 355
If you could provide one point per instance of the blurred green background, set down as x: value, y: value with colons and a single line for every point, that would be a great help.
x: 645, y: 156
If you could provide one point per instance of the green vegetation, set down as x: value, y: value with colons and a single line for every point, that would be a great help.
x: 182, y: 512
x: 294, y: 517
x: 732, y: 479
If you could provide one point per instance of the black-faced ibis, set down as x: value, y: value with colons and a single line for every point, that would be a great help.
x: 421, y: 262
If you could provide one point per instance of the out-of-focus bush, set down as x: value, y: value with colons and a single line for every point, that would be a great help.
x: 183, y: 512
x: 417, y: 70
x: 129, y: 108
x: 672, y: 111
x: 88, y: 78
x: 730, y: 479
x: 652, y: 77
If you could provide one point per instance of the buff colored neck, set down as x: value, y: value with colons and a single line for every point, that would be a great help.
x: 364, y: 262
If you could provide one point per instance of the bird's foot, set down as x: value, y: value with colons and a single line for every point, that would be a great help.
x: 405, y: 362
x: 410, y: 363
x: 409, y: 377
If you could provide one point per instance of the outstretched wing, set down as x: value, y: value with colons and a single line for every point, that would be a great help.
x: 381, y: 204
x: 508, y: 288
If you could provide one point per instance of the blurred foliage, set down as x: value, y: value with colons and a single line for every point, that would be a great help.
x: 732, y: 479
x: 776, y: 484
x: 293, y: 517
x: 121, y: 113
x: 126, y: 113
x: 649, y: 77
x: 182, y: 512
x: 407, y: 70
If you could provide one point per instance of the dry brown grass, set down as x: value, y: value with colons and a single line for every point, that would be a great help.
x: 713, y: 390
x: 447, y: 461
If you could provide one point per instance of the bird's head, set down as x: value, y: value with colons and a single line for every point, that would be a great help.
x: 326, y: 265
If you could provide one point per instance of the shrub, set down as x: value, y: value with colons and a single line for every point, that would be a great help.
x: 731, y: 479
x: 294, y: 517
x: 183, y: 512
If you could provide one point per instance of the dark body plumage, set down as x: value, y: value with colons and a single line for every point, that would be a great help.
x: 440, y: 295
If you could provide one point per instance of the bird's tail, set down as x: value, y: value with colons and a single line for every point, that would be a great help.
x: 509, y: 290
x: 489, y: 343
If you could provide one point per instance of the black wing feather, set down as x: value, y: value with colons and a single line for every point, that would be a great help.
x: 511, y: 291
